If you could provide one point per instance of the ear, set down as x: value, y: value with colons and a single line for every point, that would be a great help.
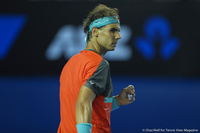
x: 95, y: 32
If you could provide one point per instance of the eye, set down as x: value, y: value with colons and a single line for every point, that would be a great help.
x: 114, y: 30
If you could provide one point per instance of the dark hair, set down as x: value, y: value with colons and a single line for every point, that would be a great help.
x: 99, y: 11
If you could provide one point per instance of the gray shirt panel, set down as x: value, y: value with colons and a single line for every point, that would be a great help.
x: 100, y: 82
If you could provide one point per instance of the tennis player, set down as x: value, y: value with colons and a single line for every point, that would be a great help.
x: 86, y: 90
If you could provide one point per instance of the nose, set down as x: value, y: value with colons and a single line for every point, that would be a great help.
x: 118, y: 36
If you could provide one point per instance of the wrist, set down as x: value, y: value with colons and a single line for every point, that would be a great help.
x: 118, y: 100
x: 114, y: 104
x: 84, y: 128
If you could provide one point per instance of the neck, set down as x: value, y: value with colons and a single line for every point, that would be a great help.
x: 96, y: 47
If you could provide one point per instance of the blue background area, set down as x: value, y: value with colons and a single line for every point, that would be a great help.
x: 10, y: 26
x: 31, y: 104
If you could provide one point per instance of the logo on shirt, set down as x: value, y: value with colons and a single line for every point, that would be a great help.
x: 91, y: 82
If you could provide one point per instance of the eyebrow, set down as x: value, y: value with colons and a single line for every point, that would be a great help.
x: 115, y: 29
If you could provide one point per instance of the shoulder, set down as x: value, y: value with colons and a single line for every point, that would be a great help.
x: 105, y: 63
x: 103, y: 66
x: 87, y: 56
x: 91, y: 58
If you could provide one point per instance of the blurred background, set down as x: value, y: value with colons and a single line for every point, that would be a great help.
x: 158, y: 54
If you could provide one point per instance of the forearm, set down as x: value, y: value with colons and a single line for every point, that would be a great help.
x: 83, y: 112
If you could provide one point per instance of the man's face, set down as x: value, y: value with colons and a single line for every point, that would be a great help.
x: 108, y: 36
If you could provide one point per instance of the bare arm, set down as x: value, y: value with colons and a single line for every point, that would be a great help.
x: 84, y: 105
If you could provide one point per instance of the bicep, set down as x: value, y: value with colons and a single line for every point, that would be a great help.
x: 86, y: 94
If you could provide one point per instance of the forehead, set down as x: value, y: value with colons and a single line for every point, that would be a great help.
x: 115, y: 26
